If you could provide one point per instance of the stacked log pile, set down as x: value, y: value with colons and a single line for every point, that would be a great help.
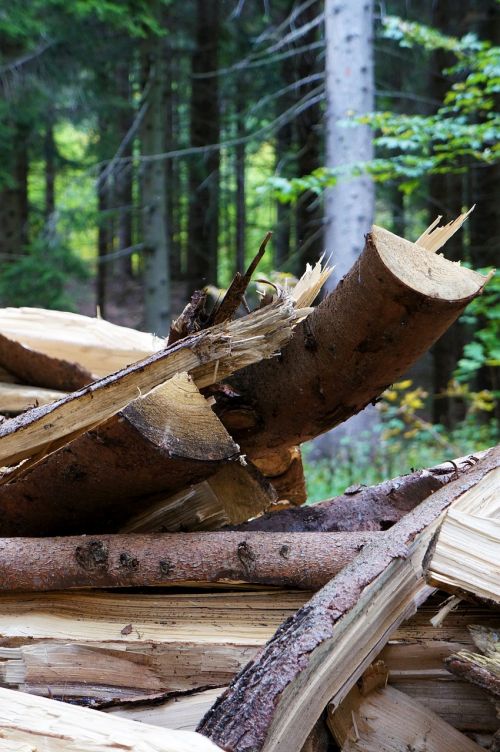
x: 161, y: 585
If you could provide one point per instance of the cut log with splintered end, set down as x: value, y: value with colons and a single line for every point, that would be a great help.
x: 387, y: 720
x: 304, y: 560
x: 56, y: 726
x: 320, y: 653
x: 396, y: 301
x: 482, y: 669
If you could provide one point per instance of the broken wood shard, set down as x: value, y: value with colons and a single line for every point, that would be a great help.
x: 322, y: 651
x: 208, y: 356
x: 305, y: 560
x: 465, y: 555
x: 56, y: 726
x: 387, y: 720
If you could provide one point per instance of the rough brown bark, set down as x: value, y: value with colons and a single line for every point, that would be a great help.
x: 362, y: 508
x: 37, y: 369
x: 310, y: 658
x: 383, y: 316
x: 306, y: 560
x: 468, y: 666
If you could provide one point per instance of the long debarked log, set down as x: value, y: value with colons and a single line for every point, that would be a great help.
x: 396, y: 301
x: 363, y: 508
x: 320, y: 652
x: 53, y: 726
x: 301, y: 560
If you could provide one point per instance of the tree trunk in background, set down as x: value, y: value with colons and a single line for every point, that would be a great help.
x: 203, y: 225
x: 153, y: 194
x: 240, y: 182
x: 284, y: 152
x: 309, y: 210
x: 124, y: 174
x: 103, y: 241
x: 350, y: 92
x: 14, y: 197
x: 49, y: 152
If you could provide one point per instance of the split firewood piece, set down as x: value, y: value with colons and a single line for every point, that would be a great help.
x: 56, y: 726
x: 39, y: 369
x: 182, y: 712
x: 464, y: 557
x: 482, y: 669
x: 387, y: 720
x: 94, y: 483
x: 130, y: 646
x: 209, y: 356
x: 395, y: 302
x: 363, y: 507
x: 96, y: 345
x: 15, y: 398
x: 322, y: 651
x: 301, y: 560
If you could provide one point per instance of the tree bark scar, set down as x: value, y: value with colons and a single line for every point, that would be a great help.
x: 285, y: 551
x: 246, y: 555
x: 128, y: 562
x: 166, y: 567
x: 92, y: 555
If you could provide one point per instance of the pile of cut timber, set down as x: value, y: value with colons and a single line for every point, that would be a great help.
x: 161, y: 585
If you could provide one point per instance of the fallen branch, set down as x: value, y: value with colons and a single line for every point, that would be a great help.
x: 305, y: 560
x: 387, y: 720
x: 322, y: 651
x: 363, y: 508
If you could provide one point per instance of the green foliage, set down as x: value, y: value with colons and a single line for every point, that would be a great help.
x: 483, y: 314
x: 40, y: 276
x: 464, y: 128
x: 403, y: 441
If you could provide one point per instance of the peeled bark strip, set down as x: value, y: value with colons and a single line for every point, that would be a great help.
x: 465, y: 555
x: 96, y: 345
x: 396, y: 301
x: 305, y: 560
x: 96, y: 482
x: 208, y: 356
x: 321, y: 651
x: 38, y: 369
x: 387, y: 720
x: 363, y: 508
x: 56, y: 726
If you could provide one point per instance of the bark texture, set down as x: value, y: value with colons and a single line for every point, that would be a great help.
x: 362, y: 508
x: 305, y: 560
x: 273, y: 703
